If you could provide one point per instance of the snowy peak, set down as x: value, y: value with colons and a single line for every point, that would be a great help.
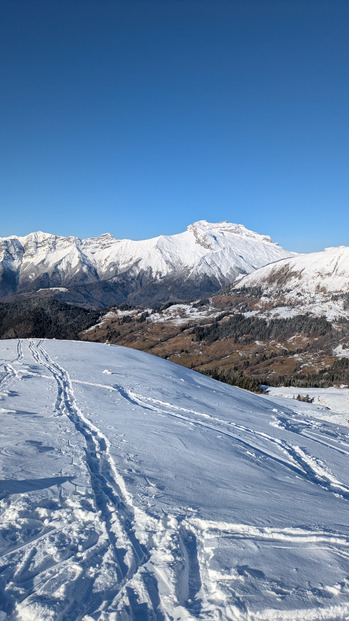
x: 200, y: 260
x: 203, y: 231
x: 37, y: 236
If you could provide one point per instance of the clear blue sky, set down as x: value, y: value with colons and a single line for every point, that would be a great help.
x: 138, y: 117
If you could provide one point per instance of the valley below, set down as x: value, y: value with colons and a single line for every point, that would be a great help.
x: 228, y: 338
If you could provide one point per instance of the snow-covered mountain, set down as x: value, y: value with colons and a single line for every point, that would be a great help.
x: 137, y: 489
x: 317, y: 283
x: 197, y: 262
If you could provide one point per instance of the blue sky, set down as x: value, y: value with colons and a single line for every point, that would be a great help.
x: 139, y: 117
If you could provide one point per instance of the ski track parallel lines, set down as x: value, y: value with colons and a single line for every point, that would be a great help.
x: 300, y: 462
x: 111, y: 501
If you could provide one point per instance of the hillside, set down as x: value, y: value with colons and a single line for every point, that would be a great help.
x: 219, y: 336
x: 45, y: 318
x: 137, y: 489
x: 317, y: 283
x: 227, y: 337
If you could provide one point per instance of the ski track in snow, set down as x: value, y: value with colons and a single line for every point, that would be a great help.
x: 299, y: 459
x: 112, y: 501
x: 112, y: 542
x: 115, y: 562
x: 132, y: 559
x: 9, y: 371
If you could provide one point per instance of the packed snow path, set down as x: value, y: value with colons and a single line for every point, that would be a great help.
x: 133, y: 488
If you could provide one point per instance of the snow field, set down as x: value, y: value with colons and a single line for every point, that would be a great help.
x: 133, y: 488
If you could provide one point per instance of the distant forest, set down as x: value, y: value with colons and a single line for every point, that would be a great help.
x: 254, y: 328
x: 44, y: 318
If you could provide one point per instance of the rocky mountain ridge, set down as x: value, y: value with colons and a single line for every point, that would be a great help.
x: 103, y: 270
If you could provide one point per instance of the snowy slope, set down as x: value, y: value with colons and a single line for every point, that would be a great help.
x: 219, y: 252
x: 309, y: 282
x: 331, y: 403
x: 133, y: 488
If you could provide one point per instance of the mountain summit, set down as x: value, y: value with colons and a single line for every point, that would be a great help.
x: 104, y: 270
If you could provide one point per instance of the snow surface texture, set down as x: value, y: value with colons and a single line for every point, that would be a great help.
x: 332, y: 403
x: 133, y: 488
x: 307, y: 283
x: 217, y: 250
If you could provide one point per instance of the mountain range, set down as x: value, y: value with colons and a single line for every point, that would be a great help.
x: 286, y: 322
x: 100, y: 271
